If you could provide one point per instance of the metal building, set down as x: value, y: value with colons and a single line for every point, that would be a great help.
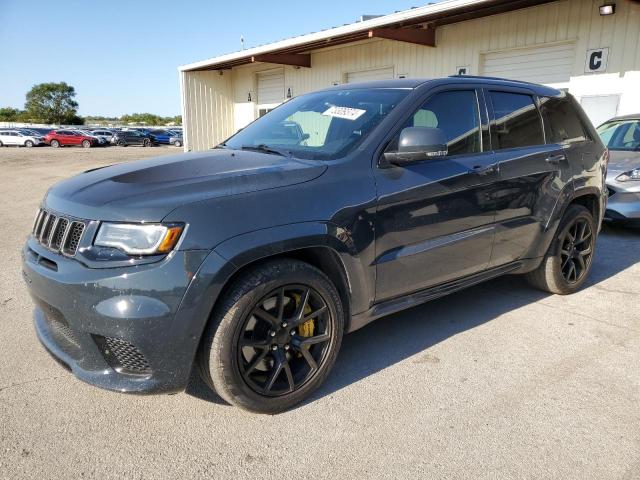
x: 590, y: 47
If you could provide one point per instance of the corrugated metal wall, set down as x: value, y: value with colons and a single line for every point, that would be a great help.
x: 462, y: 44
x: 207, y: 108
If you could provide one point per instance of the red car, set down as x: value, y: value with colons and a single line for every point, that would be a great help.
x: 59, y: 138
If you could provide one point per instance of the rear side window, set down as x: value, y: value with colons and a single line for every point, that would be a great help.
x: 516, y: 123
x: 561, y: 121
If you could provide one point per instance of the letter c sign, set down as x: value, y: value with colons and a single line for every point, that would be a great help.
x: 596, y: 60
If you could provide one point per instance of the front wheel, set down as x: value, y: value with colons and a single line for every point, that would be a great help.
x: 146, y: 142
x: 273, y: 338
x: 566, y: 265
x: 177, y: 143
x: 28, y: 144
x: 55, y: 143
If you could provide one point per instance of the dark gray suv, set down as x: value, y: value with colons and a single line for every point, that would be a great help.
x: 250, y: 261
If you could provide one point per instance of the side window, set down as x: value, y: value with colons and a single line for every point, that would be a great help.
x: 517, y: 122
x: 561, y: 121
x: 456, y: 114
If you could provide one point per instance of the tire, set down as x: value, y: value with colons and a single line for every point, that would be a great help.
x: 121, y: 143
x: 146, y: 142
x: 28, y: 144
x: 1, y: 144
x: 279, y: 362
x: 566, y: 265
x: 177, y: 143
x: 86, y: 144
x: 55, y: 143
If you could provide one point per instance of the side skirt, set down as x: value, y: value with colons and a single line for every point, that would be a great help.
x: 394, y: 305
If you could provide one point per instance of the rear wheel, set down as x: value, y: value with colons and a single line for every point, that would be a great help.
x: 567, y: 263
x: 1, y: 144
x: 86, y: 144
x: 121, y: 143
x: 55, y: 143
x: 146, y: 142
x: 28, y: 144
x: 274, y: 337
x: 177, y: 143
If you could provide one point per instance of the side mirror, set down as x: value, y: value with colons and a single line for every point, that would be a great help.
x: 418, y: 143
x: 304, y: 136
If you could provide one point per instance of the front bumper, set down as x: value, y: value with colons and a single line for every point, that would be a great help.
x: 131, y: 329
x: 623, y: 206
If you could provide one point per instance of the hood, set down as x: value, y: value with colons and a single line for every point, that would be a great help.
x: 623, y: 160
x: 148, y: 190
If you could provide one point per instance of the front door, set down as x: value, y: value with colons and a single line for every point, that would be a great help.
x: 434, y: 221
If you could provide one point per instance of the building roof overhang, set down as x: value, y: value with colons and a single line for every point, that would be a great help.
x: 417, y: 25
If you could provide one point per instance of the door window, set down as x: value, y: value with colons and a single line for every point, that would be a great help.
x: 561, y: 122
x: 516, y: 123
x: 456, y: 114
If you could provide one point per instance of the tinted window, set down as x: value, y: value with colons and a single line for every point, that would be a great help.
x: 456, y: 114
x: 561, y: 121
x: 621, y: 135
x: 517, y: 121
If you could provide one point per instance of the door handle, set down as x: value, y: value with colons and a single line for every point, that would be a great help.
x: 482, y: 170
x: 555, y: 159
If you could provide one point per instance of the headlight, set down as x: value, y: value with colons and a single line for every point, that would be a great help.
x: 628, y: 176
x: 138, y: 239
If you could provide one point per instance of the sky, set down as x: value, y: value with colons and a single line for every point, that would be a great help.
x: 122, y: 55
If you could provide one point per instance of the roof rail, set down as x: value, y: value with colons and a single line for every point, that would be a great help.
x: 493, y: 78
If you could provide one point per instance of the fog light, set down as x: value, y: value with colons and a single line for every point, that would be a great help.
x: 608, y: 9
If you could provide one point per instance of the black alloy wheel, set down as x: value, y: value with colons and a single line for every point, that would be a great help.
x: 284, y: 340
x: 576, y: 251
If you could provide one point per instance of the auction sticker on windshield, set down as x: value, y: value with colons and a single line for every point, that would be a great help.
x: 347, y: 113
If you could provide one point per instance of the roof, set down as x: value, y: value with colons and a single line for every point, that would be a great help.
x: 631, y: 116
x: 411, y: 83
x: 432, y: 15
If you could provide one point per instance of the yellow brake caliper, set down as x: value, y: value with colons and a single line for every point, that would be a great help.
x: 307, y: 328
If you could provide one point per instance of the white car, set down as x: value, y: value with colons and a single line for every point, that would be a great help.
x: 102, y: 133
x: 19, y: 138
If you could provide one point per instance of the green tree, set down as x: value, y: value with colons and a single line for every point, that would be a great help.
x: 8, y: 114
x: 52, y: 103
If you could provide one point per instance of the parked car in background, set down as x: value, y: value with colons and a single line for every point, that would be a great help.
x: 621, y: 135
x: 41, y: 130
x: 132, y: 137
x: 249, y: 262
x: 103, y: 133
x: 176, y: 140
x: 161, y: 136
x: 20, y: 138
x: 65, y: 137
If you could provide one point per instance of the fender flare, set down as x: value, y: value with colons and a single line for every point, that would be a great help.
x: 251, y: 247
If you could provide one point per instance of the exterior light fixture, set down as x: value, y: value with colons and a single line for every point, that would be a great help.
x: 607, y: 9
x: 289, y: 95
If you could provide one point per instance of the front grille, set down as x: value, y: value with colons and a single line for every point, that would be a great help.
x: 58, y: 233
x: 123, y: 356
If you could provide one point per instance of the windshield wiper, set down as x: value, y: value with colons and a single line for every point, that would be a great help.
x: 265, y: 149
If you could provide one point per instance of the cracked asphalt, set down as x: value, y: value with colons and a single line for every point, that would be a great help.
x: 498, y: 381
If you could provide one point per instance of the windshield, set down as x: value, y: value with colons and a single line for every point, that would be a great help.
x: 319, y: 126
x: 621, y: 135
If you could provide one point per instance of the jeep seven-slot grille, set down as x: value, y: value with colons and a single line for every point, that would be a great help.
x: 58, y: 233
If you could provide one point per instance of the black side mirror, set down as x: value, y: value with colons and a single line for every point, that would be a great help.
x: 418, y: 143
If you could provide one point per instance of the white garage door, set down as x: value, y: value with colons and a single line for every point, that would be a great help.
x: 270, y: 88
x: 369, y: 75
x: 542, y: 64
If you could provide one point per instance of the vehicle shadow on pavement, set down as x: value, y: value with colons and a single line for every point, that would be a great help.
x: 397, y: 337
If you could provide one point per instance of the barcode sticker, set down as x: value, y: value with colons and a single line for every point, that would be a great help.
x: 347, y: 113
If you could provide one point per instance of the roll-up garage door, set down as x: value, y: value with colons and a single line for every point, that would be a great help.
x: 542, y: 64
x: 270, y: 88
x: 368, y: 75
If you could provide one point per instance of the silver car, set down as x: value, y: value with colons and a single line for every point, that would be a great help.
x: 621, y: 135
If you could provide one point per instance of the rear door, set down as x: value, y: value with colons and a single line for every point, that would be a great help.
x: 434, y: 221
x: 532, y: 175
